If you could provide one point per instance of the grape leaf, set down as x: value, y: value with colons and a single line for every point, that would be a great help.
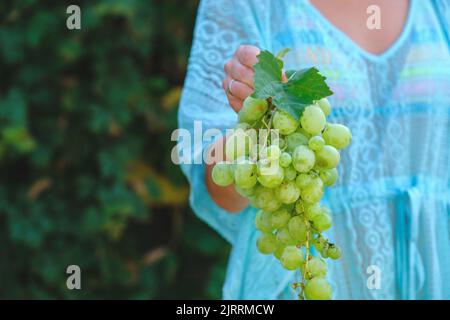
x: 302, y: 88
x: 267, y: 79
x: 308, y: 83
x: 289, y: 73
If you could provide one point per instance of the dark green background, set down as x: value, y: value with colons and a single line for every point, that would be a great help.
x: 85, y: 170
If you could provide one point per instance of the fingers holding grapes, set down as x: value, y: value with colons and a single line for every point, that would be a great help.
x: 238, y: 81
x: 236, y: 91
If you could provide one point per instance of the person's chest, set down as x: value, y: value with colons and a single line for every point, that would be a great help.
x: 416, y: 70
x: 373, y: 25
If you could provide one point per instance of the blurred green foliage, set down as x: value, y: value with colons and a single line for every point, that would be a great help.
x: 86, y: 176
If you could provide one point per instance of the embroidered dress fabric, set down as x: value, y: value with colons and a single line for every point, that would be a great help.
x: 391, y: 206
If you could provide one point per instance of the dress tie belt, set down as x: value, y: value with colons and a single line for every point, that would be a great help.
x: 410, y: 271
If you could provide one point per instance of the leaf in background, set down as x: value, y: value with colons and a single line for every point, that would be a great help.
x: 74, y: 109
x: 38, y: 187
x: 139, y: 173
x: 13, y: 108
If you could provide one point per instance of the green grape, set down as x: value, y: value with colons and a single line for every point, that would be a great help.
x: 287, y: 192
x: 266, y: 243
x: 319, y: 243
x: 296, y: 139
x: 272, y: 152
x: 324, y: 250
x: 239, y: 160
x: 252, y: 109
x: 284, y: 237
x: 245, y: 192
x: 237, y: 145
x: 254, y: 151
x: 316, y: 168
x: 284, y: 122
x: 303, y: 180
x: 280, y: 218
x: 337, y: 135
x: 324, y: 104
x: 271, y: 176
x: 263, y: 221
x: 285, y: 160
x: 290, y: 173
x: 317, y: 267
x: 304, y: 133
x: 316, y: 143
x: 264, y: 198
x: 313, y: 191
x: 243, y: 126
x: 313, y: 120
x: 279, y: 251
x: 329, y: 176
x: 292, y: 258
x: 327, y: 157
x: 265, y: 166
x: 334, y: 252
x: 322, y: 221
x: 245, y: 174
x: 253, y: 135
x: 280, y: 142
x: 303, y: 159
x: 313, y: 210
x: 318, y: 289
x: 298, y: 229
x: 222, y: 174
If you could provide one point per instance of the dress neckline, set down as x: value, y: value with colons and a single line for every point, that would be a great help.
x: 346, y: 39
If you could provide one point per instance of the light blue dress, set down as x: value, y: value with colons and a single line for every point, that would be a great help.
x: 391, y: 207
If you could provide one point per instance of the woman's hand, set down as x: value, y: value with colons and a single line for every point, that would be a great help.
x: 238, y: 82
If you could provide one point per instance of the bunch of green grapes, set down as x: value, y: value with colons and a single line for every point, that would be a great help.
x: 282, y: 165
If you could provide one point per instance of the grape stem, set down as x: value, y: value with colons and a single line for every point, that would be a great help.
x: 305, y: 269
x: 269, y: 125
x: 265, y: 124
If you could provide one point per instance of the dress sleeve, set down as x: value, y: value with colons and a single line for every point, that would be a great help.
x: 221, y: 26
